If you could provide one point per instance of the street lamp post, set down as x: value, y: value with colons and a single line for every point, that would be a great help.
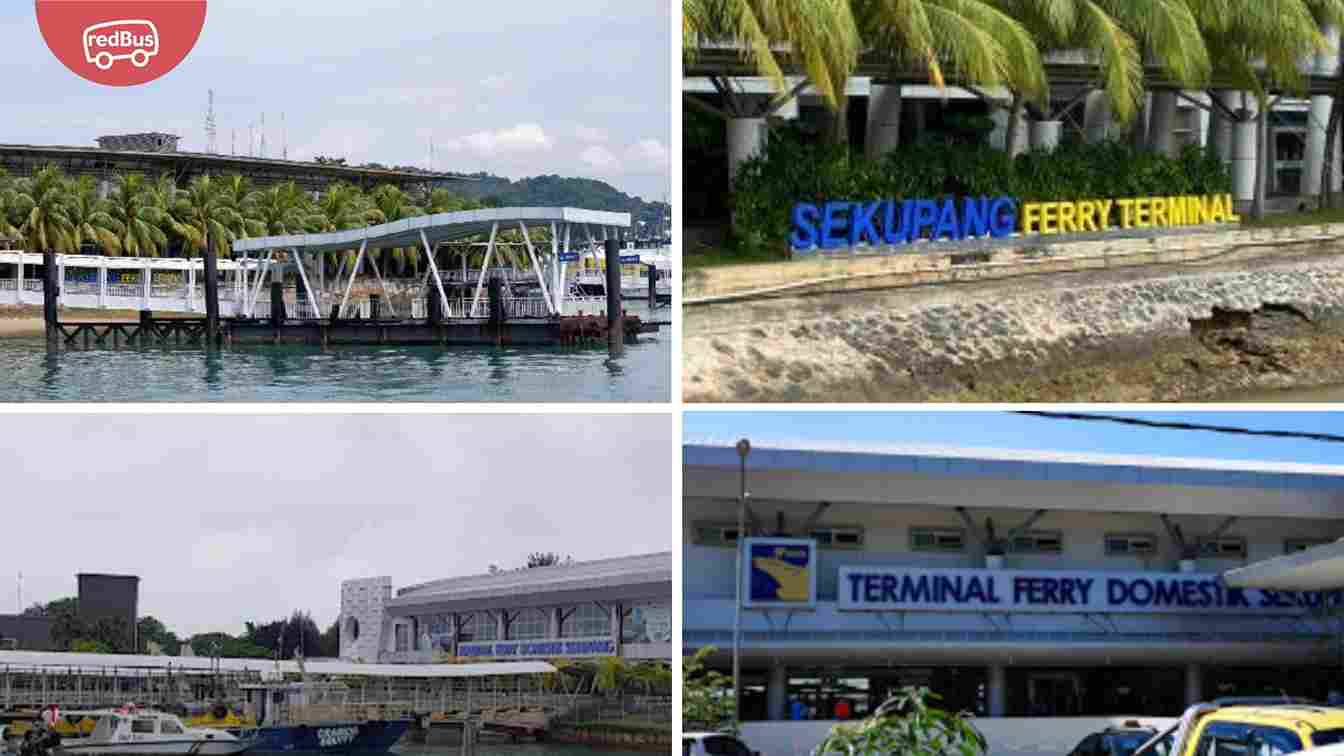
x: 743, y: 449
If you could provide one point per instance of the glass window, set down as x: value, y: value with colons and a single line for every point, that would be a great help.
x: 1089, y: 746
x: 1326, y: 737
x: 937, y: 539
x: 1125, y: 743
x: 1038, y: 542
x: 586, y: 621
x: 1130, y: 544
x: 169, y: 727
x: 403, y: 637
x: 528, y: 624
x: 1275, y: 741
x: 647, y: 623
x: 478, y: 626
x: 142, y: 725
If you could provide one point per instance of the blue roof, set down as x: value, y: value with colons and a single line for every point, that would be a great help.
x: 1004, y: 464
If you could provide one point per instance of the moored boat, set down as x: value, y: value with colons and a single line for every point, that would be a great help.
x: 150, y: 733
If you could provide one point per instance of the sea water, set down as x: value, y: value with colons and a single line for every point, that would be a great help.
x: 30, y: 371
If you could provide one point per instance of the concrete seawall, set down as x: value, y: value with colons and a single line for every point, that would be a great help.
x: 952, y: 341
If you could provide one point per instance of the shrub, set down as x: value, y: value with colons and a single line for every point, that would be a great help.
x: 795, y: 168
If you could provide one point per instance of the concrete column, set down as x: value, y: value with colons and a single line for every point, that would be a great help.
x: 746, y: 139
x: 884, y: 119
x: 997, y: 690
x: 1318, y: 117
x: 1045, y: 134
x: 1161, y: 126
x: 777, y: 692
x: 1096, y: 117
x: 1194, y: 684
x: 998, y: 138
x: 1220, y: 133
x: 1244, y: 152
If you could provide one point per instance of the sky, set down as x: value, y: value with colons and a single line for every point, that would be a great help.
x: 522, y: 88
x: 229, y: 518
x: 1003, y: 430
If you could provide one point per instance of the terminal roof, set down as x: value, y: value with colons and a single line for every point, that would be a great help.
x: 440, y: 227
x: 61, y: 661
x: 971, y: 462
x: 644, y: 576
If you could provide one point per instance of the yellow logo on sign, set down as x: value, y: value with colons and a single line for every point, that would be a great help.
x: 792, y: 579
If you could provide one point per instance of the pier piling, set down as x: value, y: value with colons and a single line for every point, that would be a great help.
x: 495, y: 294
x: 277, y: 304
x: 375, y: 306
x: 51, y: 291
x: 146, y: 333
x: 653, y: 288
x: 433, y: 307
x: 211, y: 297
x: 615, y: 318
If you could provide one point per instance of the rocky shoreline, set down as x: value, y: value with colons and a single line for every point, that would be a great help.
x: 1170, y: 334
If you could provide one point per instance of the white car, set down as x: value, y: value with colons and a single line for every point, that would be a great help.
x: 714, y: 744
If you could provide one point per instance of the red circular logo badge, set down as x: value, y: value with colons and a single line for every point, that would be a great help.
x: 121, y: 43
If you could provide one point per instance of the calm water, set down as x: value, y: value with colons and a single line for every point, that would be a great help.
x: 29, y: 372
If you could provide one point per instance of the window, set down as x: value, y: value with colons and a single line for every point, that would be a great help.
x: 1294, y: 545
x: 142, y: 725
x: 586, y: 621
x: 528, y: 624
x: 479, y: 626
x: 716, y: 535
x: 839, y: 538
x: 352, y: 628
x: 1223, y: 547
x: 1131, y: 544
x: 403, y: 636
x: 1091, y: 746
x: 1326, y: 737
x: 937, y: 539
x: 1038, y: 542
x: 647, y: 623
x: 169, y: 727
x: 1275, y: 741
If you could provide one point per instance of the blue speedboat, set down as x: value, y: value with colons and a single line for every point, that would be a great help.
x: 372, y: 737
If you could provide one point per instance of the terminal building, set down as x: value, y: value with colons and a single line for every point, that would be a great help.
x: 618, y: 607
x: 1010, y: 583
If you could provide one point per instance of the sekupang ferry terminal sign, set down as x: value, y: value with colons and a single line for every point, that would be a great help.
x: 890, y: 222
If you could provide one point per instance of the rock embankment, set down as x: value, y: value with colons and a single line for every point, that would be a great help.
x: 1138, y: 335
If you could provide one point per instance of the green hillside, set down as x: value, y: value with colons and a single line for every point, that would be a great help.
x: 557, y: 191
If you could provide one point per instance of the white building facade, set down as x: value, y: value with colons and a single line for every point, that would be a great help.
x: 1010, y: 583
x: 611, y: 607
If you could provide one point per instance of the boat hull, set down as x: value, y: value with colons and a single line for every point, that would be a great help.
x: 330, y: 739
x: 150, y: 748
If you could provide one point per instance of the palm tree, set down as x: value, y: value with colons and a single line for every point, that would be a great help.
x: 392, y: 204
x: 10, y: 208
x: 138, y: 221
x: 202, y: 215
x: 89, y: 217
x: 45, y: 199
x: 278, y: 209
x: 1116, y: 33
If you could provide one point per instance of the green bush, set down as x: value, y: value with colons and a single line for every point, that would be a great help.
x: 795, y: 168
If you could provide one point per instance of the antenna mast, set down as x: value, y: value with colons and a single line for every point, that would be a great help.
x: 210, y: 123
x: 263, y: 135
x: 284, y: 138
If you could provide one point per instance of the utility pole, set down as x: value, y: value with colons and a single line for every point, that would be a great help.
x: 263, y: 135
x: 743, y: 449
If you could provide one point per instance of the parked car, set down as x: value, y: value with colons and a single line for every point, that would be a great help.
x: 1115, y: 741
x: 714, y: 744
x: 1244, y: 726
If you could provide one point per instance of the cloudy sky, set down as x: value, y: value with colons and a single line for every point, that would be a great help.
x: 518, y: 88
x: 228, y: 518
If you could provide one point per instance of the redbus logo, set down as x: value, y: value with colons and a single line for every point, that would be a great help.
x: 107, y: 43
x: 121, y: 43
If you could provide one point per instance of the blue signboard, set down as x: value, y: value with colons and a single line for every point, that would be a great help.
x: 569, y: 257
x: 629, y: 259
x: 525, y: 649
x: 978, y: 590
x: 780, y: 572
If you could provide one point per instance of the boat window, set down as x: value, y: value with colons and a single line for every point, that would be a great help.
x: 169, y: 727
x: 143, y: 725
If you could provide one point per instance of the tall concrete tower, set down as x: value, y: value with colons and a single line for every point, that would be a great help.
x: 363, y: 619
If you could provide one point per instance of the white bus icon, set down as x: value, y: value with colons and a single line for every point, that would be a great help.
x: 136, y: 40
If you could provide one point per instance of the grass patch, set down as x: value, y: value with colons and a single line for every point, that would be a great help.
x: 1311, y: 217
x: 713, y: 257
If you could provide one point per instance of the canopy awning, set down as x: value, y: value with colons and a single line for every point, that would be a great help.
x: 1320, y: 568
x: 442, y: 227
x: 56, y: 661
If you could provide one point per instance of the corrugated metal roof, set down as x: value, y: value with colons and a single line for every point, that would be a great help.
x: 599, y: 573
x: 439, y: 227
x: 95, y: 662
x: 1021, y: 464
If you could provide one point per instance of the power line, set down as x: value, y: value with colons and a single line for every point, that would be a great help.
x: 1172, y: 425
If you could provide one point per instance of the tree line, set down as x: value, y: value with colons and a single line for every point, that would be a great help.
x: 285, y: 637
